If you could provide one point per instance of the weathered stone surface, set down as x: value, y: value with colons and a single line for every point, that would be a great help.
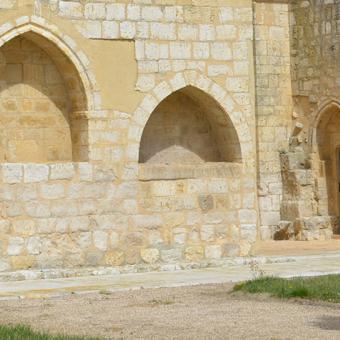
x: 194, y: 253
x: 150, y: 255
x: 114, y: 258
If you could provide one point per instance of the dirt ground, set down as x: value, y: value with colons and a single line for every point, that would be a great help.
x: 198, y: 312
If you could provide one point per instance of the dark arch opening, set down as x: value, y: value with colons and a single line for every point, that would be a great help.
x: 189, y: 127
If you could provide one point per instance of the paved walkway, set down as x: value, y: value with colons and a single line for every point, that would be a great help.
x: 309, y: 265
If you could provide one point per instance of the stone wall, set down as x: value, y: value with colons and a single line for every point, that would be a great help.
x: 315, y: 83
x: 274, y: 107
x: 122, y: 63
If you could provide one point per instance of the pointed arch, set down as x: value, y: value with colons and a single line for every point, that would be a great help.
x: 51, y: 117
x: 189, y: 80
x: 43, y: 29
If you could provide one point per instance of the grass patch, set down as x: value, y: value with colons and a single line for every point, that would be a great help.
x: 325, y: 288
x: 22, y: 332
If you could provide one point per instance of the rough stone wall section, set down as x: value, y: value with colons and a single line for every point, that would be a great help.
x: 273, y: 107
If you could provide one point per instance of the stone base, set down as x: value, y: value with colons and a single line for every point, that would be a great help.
x: 313, y: 228
x: 306, y: 229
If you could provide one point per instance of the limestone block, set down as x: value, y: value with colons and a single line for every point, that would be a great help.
x: 245, y: 247
x: 24, y: 227
x: 4, y: 226
x: 206, y: 202
x: 100, y: 240
x: 201, y: 50
x: 142, y: 30
x: 221, y: 51
x: 207, y: 33
x: 84, y: 240
x: 127, y: 30
x: 62, y: 171
x: 80, y: 223
x: 171, y: 255
x: 71, y: 9
x: 179, y: 235
x: 114, y: 239
x: 93, y: 29
x: 248, y: 232
x: 180, y: 50
x: 226, y: 32
x: 34, y: 245
x: 248, y: 201
x: 266, y: 233
x: 219, y: 70
x: 237, y: 84
x: 152, y: 13
x: 163, y: 188
x: 194, y: 253
x: 48, y: 226
x: 155, y: 238
x: 270, y: 217
x: 226, y: 14
x: 22, y: 262
x: 218, y: 186
x: 12, y: 173
x: 15, y: 245
x: 163, y: 31
x: 115, y: 11
x: 38, y: 209
x: 145, y: 82
x: 208, y: 233
x: 213, y: 252
x: 187, y: 32
x: 94, y: 258
x: 4, y: 265
x: 95, y: 11
x: 34, y: 173
x: 230, y: 250
x: 247, y: 215
x: 85, y: 171
x: 52, y: 191
x: 150, y: 255
x: 110, y: 30
x: 114, y: 258
x: 133, y: 12
x: 148, y: 221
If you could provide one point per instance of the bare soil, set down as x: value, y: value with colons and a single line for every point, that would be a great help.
x: 197, y: 312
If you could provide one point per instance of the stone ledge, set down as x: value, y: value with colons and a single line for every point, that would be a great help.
x: 156, y: 172
x: 22, y: 275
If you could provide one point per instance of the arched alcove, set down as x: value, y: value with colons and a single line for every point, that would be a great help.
x: 189, y: 127
x: 328, y: 148
x: 41, y: 103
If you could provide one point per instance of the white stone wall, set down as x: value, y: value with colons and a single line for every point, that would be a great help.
x: 274, y: 107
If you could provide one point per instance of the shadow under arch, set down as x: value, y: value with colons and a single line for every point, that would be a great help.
x: 189, y: 127
x: 72, y: 101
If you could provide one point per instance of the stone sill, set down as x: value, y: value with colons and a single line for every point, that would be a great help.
x: 157, y: 172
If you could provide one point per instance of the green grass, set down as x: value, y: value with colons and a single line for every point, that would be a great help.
x: 325, y: 288
x: 21, y: 332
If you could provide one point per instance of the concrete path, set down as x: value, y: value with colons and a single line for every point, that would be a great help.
x: 310, y: 265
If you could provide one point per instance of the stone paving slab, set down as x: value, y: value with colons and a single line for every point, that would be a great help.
x: 294, y: 266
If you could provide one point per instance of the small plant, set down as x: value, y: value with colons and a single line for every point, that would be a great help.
x: 255, y: 269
